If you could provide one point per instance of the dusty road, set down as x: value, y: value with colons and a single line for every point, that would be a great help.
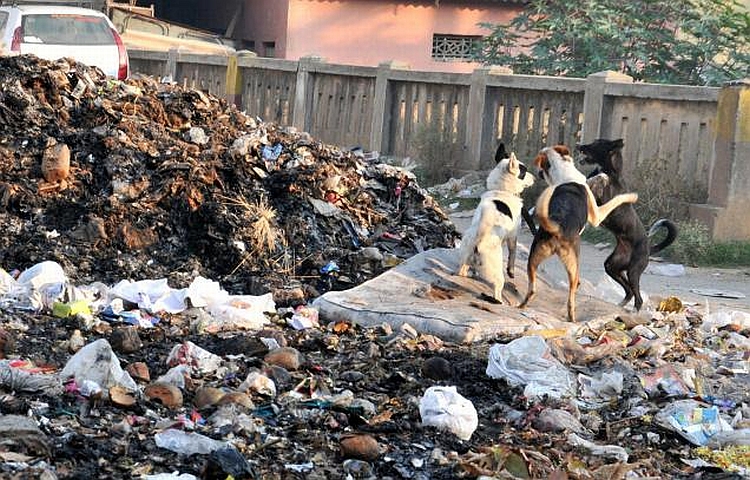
x: 706, y: 287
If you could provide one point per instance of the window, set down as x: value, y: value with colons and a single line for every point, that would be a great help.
x: 446, y: 48
x: 66, y: 29
x: 269, y: 49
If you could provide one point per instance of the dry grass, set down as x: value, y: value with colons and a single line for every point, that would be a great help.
x: 264, y: 237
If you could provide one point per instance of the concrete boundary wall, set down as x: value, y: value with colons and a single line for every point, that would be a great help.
x: 700, y: 134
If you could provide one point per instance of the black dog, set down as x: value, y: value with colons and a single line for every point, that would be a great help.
x: 631, y: 255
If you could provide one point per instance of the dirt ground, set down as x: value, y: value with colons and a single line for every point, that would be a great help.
x: 691, y: 287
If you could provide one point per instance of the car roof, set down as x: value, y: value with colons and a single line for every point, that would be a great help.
x: 54, y: 9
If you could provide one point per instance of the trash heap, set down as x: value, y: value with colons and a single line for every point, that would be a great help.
x: 106, y: 388
x: 122, y: 355
x: 142, y: 179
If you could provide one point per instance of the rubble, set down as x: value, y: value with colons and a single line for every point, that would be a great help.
x: 139, y: 340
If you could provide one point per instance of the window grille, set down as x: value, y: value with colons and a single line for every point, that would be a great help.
x: 454, y: 47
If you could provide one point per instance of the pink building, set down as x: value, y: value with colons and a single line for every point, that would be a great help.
x: 433, y: 35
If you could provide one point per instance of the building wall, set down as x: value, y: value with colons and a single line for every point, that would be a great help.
x: 368, y: 32
x: 265, y: 21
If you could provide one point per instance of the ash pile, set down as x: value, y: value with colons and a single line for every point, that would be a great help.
x: 144, y: 179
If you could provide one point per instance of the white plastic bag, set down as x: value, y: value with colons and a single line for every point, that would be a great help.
x: 258, y: 383
x: 187, y: 443
x: 44, y: 273
x: 528, y: 361
x: 199, y: 359
x: 714, y: 321
x: 446, y: 409
x: 241, y: 312
x: 96, y: 362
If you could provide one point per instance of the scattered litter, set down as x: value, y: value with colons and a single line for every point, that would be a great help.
x: 666, y: 269
x: 711, y: 292
x: 446, y: 409
x: 527, y: 361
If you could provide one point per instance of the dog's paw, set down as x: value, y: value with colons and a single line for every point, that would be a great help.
x: 490, y: 298
x: 631, y: 197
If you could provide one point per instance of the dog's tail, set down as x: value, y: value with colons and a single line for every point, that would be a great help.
x: 542, y: 212
x: 671, y: 234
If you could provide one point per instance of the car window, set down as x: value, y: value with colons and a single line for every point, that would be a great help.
x: 66, y: 29
x: 3, y: 20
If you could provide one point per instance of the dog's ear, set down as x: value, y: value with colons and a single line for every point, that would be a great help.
x: 541, y: 161
x: 615, y: 155
x: 513, y: 165
x: 500, y: 153
x: 563, y: 150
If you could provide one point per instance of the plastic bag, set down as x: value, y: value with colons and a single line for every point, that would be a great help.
x: 187, y: 443
x: 714, y: 321
x: 44, y: 273
x: 667, y: 269
x: 96, y: 362
x: 613, y: 452
x: 596, y: 392
x: 241, y: 312
x: 175, y: 376
x: 199, y: 359
x: 528, y: 361
x: 258, y: 383
x: 17, y: 379
x: 446, y: 409
x: 170, y: 476
x: 692, y: 421
x: 304, y: 317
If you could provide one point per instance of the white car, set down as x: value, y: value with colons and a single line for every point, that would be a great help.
x: 53, y: 32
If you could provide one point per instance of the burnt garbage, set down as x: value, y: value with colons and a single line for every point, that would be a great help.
x: 143, y: 179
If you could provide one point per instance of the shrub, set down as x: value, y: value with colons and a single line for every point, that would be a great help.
x: 436, y: 153
x: 662, y: 193
x: 692, y: 244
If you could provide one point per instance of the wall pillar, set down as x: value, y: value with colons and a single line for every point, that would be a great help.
x: 476, y: 116
x: 237, y: 64
x: 306, y: 67
x: 170, y: 69
x: 593, y: 102
x: 381, y: 102
x: 727, y: 211
x: 233, y: 82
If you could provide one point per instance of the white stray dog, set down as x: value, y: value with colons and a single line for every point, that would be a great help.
x: 496, y: 220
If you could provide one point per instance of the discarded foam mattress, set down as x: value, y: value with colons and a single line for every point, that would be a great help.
x: 425, y: 293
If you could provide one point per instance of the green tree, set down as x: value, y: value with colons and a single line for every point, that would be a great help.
x: 690, y: 42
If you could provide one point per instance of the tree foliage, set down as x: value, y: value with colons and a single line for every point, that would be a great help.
x: 691, y: 42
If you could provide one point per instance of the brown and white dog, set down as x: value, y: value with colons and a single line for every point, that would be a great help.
x: 631, y: 254
x: 563, y: 209
x: 496, y: 221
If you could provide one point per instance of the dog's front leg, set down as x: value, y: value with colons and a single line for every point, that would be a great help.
x: 597, y: 213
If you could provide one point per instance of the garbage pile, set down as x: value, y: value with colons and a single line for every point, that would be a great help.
x: 141, y: 336
x: 142, y: 179
x: 113, y: 385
